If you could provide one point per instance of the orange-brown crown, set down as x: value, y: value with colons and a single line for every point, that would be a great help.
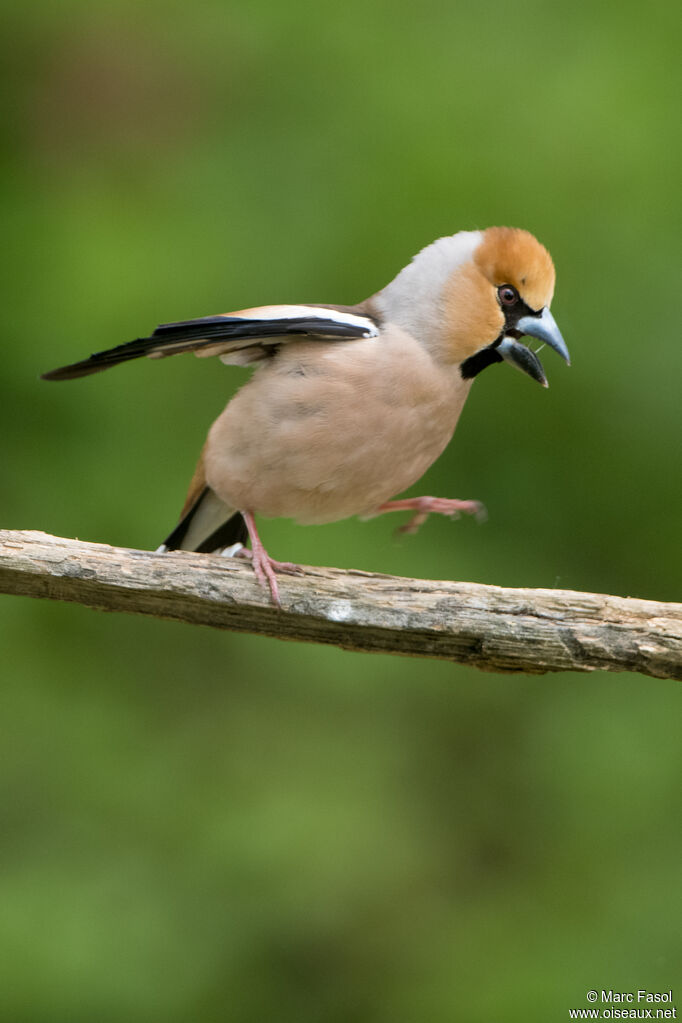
x: 505, y: 255
x: 508, y: 255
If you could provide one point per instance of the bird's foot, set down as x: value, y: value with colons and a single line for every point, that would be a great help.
x: 287, y: 567
x: 265, y: 567
x: 425, y: 506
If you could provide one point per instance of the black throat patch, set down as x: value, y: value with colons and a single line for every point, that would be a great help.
x: 472, y: 366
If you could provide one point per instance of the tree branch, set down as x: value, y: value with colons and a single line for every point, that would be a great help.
x: 486, y: 627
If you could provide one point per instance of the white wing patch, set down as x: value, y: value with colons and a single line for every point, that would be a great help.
x: 295, y: 312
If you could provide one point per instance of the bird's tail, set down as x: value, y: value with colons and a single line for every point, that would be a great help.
x: 208, y: 525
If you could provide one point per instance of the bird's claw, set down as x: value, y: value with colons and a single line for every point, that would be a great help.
x: 286, y: 567
x: 425, y: 506
x: 265, y: 567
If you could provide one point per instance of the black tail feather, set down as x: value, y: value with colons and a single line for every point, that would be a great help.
x: 233, y: 530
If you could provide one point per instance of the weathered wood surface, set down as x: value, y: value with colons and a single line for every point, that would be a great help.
x: 487, y: 627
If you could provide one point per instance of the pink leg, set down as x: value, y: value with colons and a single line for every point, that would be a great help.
x: 425, y: 506
x: 263, y: 565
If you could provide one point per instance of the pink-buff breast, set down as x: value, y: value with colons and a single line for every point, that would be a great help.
x: 325, y: 431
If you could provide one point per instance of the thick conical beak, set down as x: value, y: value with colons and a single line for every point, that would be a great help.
x: 518, y: 355
x: 544, y: 328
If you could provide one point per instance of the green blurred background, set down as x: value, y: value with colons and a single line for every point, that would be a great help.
x: 204, y: 826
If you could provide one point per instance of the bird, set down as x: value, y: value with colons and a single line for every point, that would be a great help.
x: 349, y: 405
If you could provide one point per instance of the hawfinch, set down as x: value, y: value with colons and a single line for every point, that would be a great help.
x: 350, y: 405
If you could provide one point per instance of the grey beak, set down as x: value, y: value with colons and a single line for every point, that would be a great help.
x: 518, y: 355
x: 544, y: 328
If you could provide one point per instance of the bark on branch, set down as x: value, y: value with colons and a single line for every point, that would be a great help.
x: 487, y: 627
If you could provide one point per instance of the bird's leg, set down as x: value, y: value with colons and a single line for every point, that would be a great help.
x: 263, y: 565
x: 425, y: 506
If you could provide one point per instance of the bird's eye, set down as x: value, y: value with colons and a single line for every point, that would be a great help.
x: 507, y: 294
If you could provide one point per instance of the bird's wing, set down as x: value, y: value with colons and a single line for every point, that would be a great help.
x: 241, y: 337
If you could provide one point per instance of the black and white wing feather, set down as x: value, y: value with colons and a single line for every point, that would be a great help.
x: 243, y: 337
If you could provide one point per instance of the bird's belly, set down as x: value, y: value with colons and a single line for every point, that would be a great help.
x: 320, y: 446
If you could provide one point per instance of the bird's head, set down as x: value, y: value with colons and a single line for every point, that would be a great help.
x: 500, y: 296
x: 475, y: 295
